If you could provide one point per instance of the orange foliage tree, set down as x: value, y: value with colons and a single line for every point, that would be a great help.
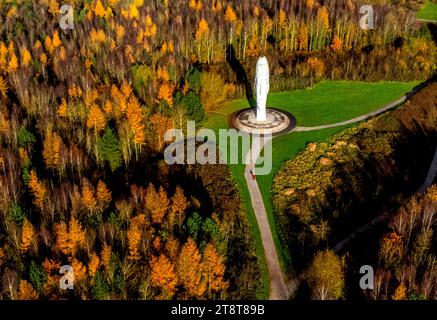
x: 157, y: 203
x: 52, y: 149
x: 96, y: 119
x: 161, y: 124
x: 178, y: 206
x: 88, y: 197
x: 189, y: 270
x: 69, y: 240
x: 214, y: 270
x: 27, y: 236
x: 163, y: 276
x: 135, y: 119
x: 26, y: 291
x: 104, y: 196
x: 134, y: 235
x: 38, y: 190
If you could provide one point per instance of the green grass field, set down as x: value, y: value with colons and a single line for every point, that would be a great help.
x: 325, y: 103
x: 428, y: 11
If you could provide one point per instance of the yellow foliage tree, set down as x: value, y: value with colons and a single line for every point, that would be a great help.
x: 56, y: 42
x: 27, y: 236
x: 190, y: 271
x: 99, y: 9
x: 134, y: 235
x: 161, y: 124
x: 157, y: 203
x: 179, y: 204
x: 325, y: 276
x: 230, y: 15
x: 336, y: 44
x: 3, y: 87
x: 400, y: 292
x: 96, y: 119
x: 106, y: 257
x: 104, y: 196
x: 26, y: 57
x: 93, y: 264
x: 213, y: 91
x: 38, y: 190
x: 13, y: 63
x: 302, y: 39
x: 88, y: 197
x: 202, y: 29
x: 63, y: 108
x: 213, y: 269
x: 80, y: 271
x: 70, y: 240
x: 165, y: 93
x: 26, y: 291
x: 135, y: 119
x: 52, y: 149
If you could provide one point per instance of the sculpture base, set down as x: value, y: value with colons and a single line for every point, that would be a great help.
x: 277, y: 122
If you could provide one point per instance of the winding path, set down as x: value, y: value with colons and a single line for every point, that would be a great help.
x: 279, y: 288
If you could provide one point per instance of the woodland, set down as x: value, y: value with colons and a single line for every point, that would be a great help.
x: 335, y: 187
x: 82, y: 118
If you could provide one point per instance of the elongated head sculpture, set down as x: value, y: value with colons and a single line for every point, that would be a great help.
x: 262, y: 120
x: 262, y: 87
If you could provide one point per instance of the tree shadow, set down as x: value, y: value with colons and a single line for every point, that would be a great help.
x: 241, y: 74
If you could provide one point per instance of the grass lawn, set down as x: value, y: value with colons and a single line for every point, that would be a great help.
x: 428, y: 11
x: 325, y: 103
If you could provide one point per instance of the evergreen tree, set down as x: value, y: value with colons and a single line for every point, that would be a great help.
x: 110, y: 150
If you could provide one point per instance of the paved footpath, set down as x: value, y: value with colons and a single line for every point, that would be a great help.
x: 278, y: 287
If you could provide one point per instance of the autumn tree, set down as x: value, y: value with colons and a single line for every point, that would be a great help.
x: 336, y: 44
x: 69, y: 239
x: 52, y: 149
x: 26, y: 291
x: 106, y: 258
x: 391, y: 250
x: 134, y: 235
x: 303, y: 37
x: 400, y: 292
x: 27, y: 236
x: 135, y: 119
x: 163, y: 276
x: 213, y: 268
x: 96, y: 119
x: 189, y: 270
x: 161, y: 124
x: 213, y: 90
x: 104, y: 195
x: 157, y: 202
x: 93, y: 264
x: 38, y: 190
x: 165, y: 93
x: 88, y: 197
x: 179, y: 205
x: 325, y: 276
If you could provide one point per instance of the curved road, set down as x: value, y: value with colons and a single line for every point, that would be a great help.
x: 279, y: 288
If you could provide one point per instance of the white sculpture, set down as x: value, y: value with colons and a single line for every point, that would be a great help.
x: 262, y: 87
